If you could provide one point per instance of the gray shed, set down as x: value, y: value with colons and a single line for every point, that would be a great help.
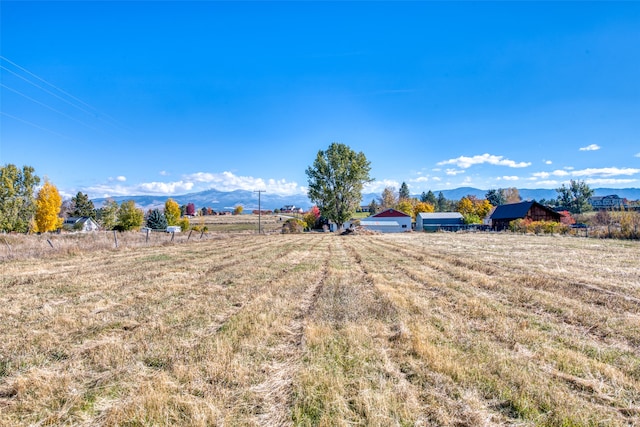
x: 449, y: 221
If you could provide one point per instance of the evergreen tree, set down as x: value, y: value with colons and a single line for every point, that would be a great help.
x: 403, y: 193
x: 429, y: 197
x: 373, y: 207
x: 495, y: 197
x: 156, y: 220
x: 82, y: 206
x: 442, y: 203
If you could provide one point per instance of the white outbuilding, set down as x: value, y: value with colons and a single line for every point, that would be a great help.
x: 388, y: 221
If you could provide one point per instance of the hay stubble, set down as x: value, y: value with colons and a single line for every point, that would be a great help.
x: 412, y: 329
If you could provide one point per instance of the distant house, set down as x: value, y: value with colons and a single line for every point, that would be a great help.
x: 446, y: 221
x: 83, y: 223
x: 291, y: 209
x: 387, y: 221
x: 504, y: 214
x: 608, y: 202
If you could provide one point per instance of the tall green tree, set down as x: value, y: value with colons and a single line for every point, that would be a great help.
x: 82, y: 206
x: 107, y: 215
x: 575, y: 197
x: 129, y: 217
x: 442, y: 204
x: 373, y: 207
x: 429, y: 197
x: 336, y: 179
x: 403, y: 193
x: 17, y: 199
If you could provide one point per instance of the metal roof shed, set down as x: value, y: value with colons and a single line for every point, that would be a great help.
x: 438, y: 221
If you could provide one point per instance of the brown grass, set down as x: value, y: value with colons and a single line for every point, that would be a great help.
x: 319, y: 329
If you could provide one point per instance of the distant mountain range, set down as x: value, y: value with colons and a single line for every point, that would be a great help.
x: 227, y: 200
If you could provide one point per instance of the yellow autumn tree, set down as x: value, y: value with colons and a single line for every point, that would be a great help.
x: 405, y: 206
x: 172, y: 212
x: 48, y: 203
x: 422, y: 207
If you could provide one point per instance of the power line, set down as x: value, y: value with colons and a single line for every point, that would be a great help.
x: 95, y: 112
x: 33, y: 124
x: 47, y: 106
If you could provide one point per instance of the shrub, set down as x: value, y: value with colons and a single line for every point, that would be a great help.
x: 157, y: 220
x: 292, y: 225
x: 184, y: 224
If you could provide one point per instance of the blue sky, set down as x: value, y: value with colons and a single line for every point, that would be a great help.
x: 124, y: 98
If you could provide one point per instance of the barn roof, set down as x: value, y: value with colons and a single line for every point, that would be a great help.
x: 517, y: 210
x: 390, y: 213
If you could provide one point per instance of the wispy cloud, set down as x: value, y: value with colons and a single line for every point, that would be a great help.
x: 590, y: 175
x: 637, y: 155
x: 605, y: 172
x: 610, y: 181
x: 511, y: 178
x: 465, y: 162
x: 378, y: 186
x: 453, y: 172
x: 591, y: 147
x: 121, y: 178
x: 199, y: 181
x: 548, y: 162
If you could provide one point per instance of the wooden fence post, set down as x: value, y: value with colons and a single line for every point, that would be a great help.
x: 147, y: 239
x: 173, y: 233
x: 115, y: 238
x: 189, y: 236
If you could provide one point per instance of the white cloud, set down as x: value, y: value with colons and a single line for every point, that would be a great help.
x: 548, y: 162
x: 378, y: 186
x: 228, y: 181
x: 121, y: 178
x: 511, y: 178
x: 165, y: 187
x: 545, y: 175
x: 437, y: 178
x: 466, y: 162
x: 637, y: 155
x: 609, y: 181
x: 591, y: 147
x: 163, y: 173
x: 605, y: 172
x: 453, y: 172
x: 420, y: 179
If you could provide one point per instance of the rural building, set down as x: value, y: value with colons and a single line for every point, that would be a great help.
x: 608, y: 202
x: 445, y: 221
x: 534, y: 211
x: 83, y: 223
x: 388, y: 221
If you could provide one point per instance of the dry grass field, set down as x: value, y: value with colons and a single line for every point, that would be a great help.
x: 320, y: 329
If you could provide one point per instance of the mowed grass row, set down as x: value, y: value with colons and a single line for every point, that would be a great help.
x: 320, y: 329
